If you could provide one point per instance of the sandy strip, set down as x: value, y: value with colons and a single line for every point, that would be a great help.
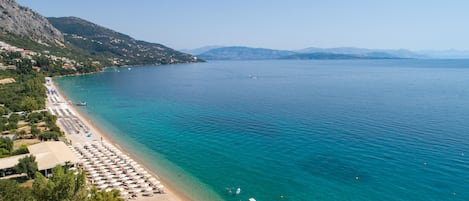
x: 171, y: 193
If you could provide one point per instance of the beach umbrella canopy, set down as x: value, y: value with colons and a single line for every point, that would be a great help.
x: 160, y: 186
x: 123, y: 193
x: 116, y: 184
x: 149, y: 189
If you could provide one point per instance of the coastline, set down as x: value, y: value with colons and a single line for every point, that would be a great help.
x: 171, y: 192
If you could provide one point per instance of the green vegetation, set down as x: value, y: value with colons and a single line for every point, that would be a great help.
x: 63, y: 185
x: 22, y: 150
x: 49, y: 135
x: 27, y: 93
x: 101, y: 42
x: 10, y: 190
x: 6, y: 146
x: 27, y: 165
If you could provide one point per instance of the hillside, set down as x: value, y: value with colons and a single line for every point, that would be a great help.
x: 121, y: 49
x: 27, y: 24
x: 82, y: 46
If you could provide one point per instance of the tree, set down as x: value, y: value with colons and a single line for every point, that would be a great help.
x: 11, y: 191
x: 49, y: 135
x: 22, y: 150
x: 6, y: 145
x: 27, y: 165
x: 62, y: 185
x: 112, y: 195
x: 22, y: 133
x: 35, y: 131
x: 35, y: 117
x: 29, y: 104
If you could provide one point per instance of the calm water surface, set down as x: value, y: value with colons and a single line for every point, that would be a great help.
x: 293, y: 130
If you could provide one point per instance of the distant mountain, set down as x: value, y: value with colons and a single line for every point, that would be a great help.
x: 362, y: 52
x: 446, y: 54
x: 201, y: 50
x: 325, y: 55
x: 247, y: 53
x: 120, y: 48
x: 21, y: 22
x: 243, y: 53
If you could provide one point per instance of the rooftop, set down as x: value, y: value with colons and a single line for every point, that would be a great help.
x: 10, y: 161
x: 52, y: 153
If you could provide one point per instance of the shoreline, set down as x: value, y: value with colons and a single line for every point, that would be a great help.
x: 171, y: 192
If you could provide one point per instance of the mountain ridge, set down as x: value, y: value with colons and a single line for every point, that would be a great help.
x: 248, y: 53
x: 79, y: 40
x: 120, y: 48
x: 22, y: 21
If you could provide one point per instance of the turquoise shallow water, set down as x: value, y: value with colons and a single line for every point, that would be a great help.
x: 304, y: 130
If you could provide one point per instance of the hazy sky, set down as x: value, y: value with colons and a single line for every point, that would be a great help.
x: 280, y: 24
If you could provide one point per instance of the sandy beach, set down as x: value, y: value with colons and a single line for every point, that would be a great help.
x: 79, y: 134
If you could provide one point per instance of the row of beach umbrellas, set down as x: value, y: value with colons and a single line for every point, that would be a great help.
x: 108, y: 168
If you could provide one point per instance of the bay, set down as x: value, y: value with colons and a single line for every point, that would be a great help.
x: 292, y: 130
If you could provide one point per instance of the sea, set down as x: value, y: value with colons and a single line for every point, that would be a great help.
x: 291, y: 130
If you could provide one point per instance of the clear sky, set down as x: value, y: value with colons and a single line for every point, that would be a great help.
x: 279, y: 24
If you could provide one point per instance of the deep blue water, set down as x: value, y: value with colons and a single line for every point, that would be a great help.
x: 352, y: 130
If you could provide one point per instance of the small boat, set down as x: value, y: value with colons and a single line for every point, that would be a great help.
x: 81, y: 103
x: 238, y: 191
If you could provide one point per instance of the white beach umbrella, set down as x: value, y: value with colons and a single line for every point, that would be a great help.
x: 160, y: 186
x: 100, y: 182
x: 116, y: 184
x: 127, y: 167
x: 108, y: 189
x: 149, y: 189
x: 122, y: 193
x: 124, y: 178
